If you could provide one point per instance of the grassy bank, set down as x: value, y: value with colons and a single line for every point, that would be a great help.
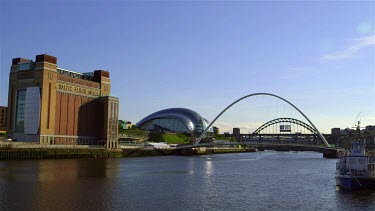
x: 169, y: 138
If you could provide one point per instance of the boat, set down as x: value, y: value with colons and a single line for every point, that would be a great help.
x: 355, y: 169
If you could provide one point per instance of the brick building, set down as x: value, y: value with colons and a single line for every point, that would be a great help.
x: 51, y: 105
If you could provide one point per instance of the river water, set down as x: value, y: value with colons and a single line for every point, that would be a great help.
x: 243, y: 181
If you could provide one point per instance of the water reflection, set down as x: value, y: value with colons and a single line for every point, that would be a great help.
x: 208, y: 167
x: 358, y: 198
x: 256, y: 181
x: 51, y: 183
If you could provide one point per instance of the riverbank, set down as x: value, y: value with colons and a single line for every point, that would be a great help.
x: 25, y: 154
x: 21, y: 151
x: 76, y: 153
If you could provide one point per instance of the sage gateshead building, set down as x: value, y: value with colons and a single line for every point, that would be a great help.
x: 180, y: 120
x: 52, y: 105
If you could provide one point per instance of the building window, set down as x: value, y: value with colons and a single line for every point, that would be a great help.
x: 23, y: 66
x: 20, y: 110
x: 49, y: 104
x: 361, y: 161
x: 351, y: 160
x: 112, y: 134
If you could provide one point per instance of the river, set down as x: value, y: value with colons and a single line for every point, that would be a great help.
x: 241, y: 181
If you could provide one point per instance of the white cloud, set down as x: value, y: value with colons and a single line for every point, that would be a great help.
x: 357, y: 45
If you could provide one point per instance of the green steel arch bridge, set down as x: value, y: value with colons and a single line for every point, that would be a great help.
x: 285, y: 120
x: 274, y: 132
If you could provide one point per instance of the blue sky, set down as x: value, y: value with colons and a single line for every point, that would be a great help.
x: 204, y: 55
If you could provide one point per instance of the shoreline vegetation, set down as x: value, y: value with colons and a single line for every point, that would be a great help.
x: 9, y: 153
x: 134, y: 143
x: 26, y: 151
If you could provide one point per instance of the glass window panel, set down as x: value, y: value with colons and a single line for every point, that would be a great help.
x: 20, y: 110
x: 169, y: 125
x: 351, y: 160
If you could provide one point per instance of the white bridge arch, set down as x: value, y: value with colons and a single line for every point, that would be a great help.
x: 254, y: 94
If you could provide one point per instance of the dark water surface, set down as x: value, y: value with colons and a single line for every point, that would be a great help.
x: 244, y: 181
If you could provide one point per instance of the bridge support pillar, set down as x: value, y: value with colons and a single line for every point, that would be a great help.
x: 296, y: 138
x: 315, y: 140
x: 330, y: 153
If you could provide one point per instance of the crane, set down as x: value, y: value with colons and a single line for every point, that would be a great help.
x: 357, y: 124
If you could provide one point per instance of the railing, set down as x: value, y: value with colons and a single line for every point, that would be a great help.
x: 256, y: 144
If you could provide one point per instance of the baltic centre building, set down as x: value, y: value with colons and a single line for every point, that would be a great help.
x: 52, y: 105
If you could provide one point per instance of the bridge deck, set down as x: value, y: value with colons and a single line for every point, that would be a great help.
x: 258, y: 144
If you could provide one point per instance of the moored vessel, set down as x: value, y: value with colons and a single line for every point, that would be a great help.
x: 355, y: 169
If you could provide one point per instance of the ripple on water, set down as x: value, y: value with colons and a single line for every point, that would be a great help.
x: 243, y: 181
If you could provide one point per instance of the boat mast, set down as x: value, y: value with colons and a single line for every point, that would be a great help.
x: 357, y: 125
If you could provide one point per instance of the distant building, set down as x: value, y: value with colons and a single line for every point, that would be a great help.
x: 180, y: 120
x: 125, y: 124
x: 216, y: 130
x: 3, y: 119
x: 335, y: 131
x: 335, y: 136
x: 121, y: 123
x: 51, y: 105
x: 236, y: 133
x: 128, y: 125
x: 345, y: 131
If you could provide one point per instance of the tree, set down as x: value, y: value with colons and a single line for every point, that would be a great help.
x: 155, y: 137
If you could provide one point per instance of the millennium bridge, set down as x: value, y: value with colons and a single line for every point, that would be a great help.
x: 272, y: 140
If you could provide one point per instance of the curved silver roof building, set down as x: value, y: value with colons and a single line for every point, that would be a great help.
x: 181, y: 120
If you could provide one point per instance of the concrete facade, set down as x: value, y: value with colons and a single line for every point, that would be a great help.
x: 70, y: 108
x: 236, y: 134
